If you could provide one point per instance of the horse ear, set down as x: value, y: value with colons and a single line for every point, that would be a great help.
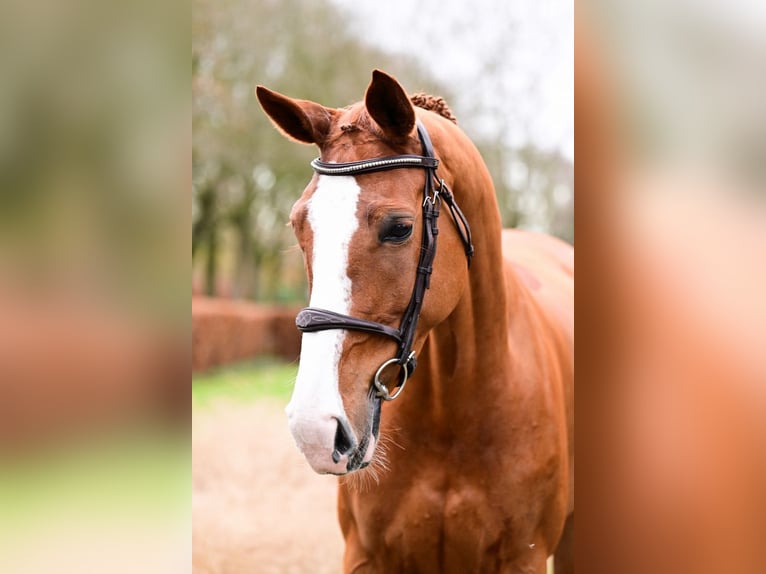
x: 390, y: 107
x: 301, y: 120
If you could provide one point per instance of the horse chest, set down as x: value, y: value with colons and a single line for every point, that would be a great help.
x: 423, y: 528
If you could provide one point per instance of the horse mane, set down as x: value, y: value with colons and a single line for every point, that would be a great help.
x: 434, y: 104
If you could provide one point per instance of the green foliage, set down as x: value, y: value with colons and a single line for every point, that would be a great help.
x: 245, y: 382
x: 254, y: 173
x: 126, y: 472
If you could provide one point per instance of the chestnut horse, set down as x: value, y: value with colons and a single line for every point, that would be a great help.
x: 471, y: 469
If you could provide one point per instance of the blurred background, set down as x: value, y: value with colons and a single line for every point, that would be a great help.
x: 671, y: 314
x: 94, y: 292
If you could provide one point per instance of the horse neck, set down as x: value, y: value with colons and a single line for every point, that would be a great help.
x: 470, y: 347
x: 475, y: 335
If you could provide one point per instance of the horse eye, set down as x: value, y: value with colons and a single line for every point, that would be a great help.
x: 396, y: 232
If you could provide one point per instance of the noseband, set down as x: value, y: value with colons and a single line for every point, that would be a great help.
x: 311, y: 319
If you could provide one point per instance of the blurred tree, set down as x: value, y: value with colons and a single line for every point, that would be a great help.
x: 535, y: 188
x: 246, y: 176
x: 510, y: 65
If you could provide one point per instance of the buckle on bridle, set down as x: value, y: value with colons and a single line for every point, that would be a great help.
x: 432, y: 199
x: 383, y: 392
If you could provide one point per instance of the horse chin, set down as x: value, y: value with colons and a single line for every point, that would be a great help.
x: 364, y: 453
x: 362, y: 456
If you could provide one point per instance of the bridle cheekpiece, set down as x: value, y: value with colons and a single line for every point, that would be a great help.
x: 312, y: 319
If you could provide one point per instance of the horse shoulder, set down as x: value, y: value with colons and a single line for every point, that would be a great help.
x: 539, y: 273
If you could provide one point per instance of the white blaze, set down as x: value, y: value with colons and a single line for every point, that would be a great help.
x: 316, y: 403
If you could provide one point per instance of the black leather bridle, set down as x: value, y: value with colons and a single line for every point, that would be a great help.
x: 311, y: 319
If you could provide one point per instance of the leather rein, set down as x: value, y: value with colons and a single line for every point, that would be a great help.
x: 312, y: 319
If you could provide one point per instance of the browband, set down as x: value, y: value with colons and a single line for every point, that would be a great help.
x: 370, y: 165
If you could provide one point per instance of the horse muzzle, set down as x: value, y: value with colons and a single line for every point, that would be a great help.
x: 329, y: 444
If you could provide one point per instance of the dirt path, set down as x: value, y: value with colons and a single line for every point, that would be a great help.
x: 257, y: 507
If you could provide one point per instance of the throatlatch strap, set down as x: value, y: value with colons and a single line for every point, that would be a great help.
x: 461, y: 223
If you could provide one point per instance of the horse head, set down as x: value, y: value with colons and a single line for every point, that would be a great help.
x: 363, y: 236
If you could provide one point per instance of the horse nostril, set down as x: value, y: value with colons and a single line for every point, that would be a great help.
x: 344, y: 442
